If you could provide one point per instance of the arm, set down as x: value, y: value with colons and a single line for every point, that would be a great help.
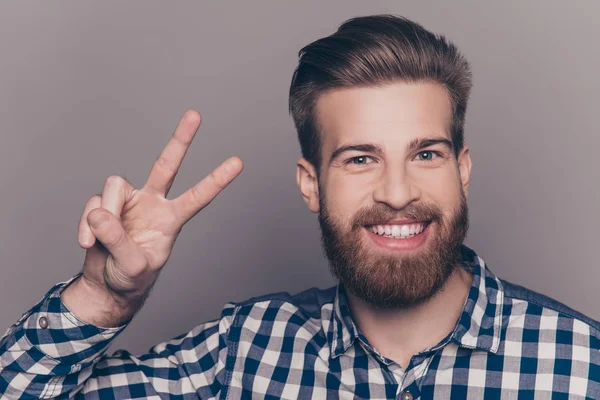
x: 57, y: 348
x: 67, y: 358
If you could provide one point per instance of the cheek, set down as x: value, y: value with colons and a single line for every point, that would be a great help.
x: 346, y: 195
x: 440, y: 186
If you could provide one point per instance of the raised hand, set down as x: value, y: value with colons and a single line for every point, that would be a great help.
x: 129, y: 233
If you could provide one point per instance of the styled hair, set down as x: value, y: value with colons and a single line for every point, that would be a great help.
x: 374, y: 51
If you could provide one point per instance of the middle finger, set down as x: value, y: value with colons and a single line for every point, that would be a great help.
x: 167, y: 164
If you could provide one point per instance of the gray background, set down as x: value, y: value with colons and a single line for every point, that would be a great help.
x: 91, y: 89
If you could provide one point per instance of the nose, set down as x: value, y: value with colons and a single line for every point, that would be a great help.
x: 396, y: 189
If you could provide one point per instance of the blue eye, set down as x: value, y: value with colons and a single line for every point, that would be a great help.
x: 427, y: 155
x: 360, y: 160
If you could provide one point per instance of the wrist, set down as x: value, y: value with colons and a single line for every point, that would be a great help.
x: 96, y: 305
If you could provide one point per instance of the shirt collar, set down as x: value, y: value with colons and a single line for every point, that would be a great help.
x: 477, y: 328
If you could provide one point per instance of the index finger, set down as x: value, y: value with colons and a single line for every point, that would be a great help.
x: 167, y: 164
x: 200, y: 195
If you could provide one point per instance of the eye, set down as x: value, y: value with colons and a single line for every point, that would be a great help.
x: 360, y: 160
x: 427, y: 155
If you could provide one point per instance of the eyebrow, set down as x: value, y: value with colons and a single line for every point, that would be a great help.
x: 421, y: 143
x: 414, y: 145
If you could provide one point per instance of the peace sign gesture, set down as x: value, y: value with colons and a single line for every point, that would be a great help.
x: 129, y: 233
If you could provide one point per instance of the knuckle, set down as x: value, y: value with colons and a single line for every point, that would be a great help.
x: 116, y: 180
x: 197, y: 194
x: 94, y: 199
x: 182, y: 142
x: 218, y: 179
x: 165, y: 164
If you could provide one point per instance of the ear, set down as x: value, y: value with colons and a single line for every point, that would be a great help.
x: 306, y: 178
x: 464, y: 168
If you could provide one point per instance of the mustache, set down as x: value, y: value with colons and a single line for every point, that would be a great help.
x: 382, y: 212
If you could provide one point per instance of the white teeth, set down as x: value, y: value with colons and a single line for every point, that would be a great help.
x: 405, y: 231
x: 398, y: 231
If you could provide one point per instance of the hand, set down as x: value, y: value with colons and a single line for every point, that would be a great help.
x: 129, y: 233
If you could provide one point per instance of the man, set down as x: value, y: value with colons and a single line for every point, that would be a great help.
x: 379, y: 107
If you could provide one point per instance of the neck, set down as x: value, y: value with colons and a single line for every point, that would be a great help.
x: 400, y: 333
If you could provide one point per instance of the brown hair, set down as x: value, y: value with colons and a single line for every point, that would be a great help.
x: 373, y: 51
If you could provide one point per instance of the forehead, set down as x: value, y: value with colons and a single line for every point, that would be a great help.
x: 390, y: 115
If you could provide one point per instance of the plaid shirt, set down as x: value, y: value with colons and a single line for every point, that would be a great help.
x: 508, y: 343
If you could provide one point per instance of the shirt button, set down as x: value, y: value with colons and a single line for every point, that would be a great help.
x: 43, y: 322
x: 406, y: 395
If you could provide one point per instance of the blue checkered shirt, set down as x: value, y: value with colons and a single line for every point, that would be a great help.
x: 509, y: 343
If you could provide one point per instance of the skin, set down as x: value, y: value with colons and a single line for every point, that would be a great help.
x: 129, y: 233
x: 391, y: 117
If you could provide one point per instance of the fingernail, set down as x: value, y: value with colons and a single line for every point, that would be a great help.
x: 99, y: 220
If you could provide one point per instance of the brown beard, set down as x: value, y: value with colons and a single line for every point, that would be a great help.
x: 391, y: 281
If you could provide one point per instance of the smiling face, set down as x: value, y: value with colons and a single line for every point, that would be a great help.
x: 390, y: 193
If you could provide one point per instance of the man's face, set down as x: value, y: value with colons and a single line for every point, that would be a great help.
x: 391, y: 195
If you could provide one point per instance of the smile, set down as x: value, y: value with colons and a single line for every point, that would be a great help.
x: 399, y: 236
x: 405, y: 231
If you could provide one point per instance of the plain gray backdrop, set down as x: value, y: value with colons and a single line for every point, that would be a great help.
x: 90, y: 89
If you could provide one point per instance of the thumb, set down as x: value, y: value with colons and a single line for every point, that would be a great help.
x: 107, y: 229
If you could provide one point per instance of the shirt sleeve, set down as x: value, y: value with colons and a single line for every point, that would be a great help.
x: 50, y: 353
